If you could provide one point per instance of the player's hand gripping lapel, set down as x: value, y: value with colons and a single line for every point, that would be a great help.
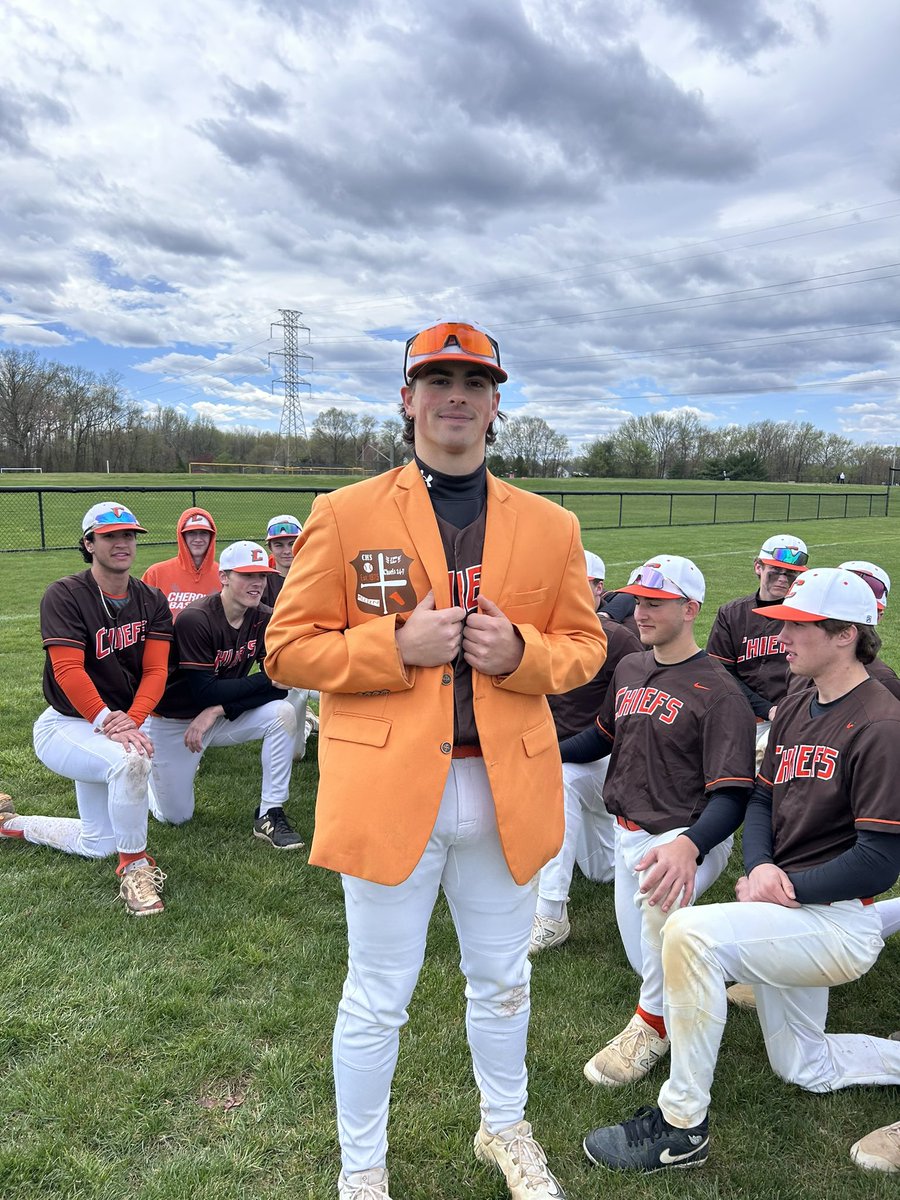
x: 491, y: 643
x: 431, y: 636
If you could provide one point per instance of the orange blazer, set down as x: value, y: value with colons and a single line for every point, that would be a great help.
x: 366, y: 556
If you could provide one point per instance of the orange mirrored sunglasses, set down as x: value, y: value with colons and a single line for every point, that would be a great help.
x: 433, y: 340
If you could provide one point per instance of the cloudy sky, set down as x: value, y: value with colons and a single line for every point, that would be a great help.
x: 654, y: 204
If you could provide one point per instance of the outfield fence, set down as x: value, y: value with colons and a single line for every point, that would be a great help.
x: 49, y: 518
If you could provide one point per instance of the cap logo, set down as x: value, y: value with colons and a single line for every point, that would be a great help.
x: 257, y: 556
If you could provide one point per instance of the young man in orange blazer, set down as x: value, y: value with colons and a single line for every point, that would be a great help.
x: 434, y: 607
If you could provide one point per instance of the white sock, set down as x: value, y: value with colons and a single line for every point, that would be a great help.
x: 554, y: 909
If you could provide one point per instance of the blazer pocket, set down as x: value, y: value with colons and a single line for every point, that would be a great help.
x: 517, y: 599
x: 540, y: 739
x: 350, y: 727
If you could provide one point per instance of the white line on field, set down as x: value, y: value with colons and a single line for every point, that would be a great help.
x: 882, y: 541
x: 21, y: 617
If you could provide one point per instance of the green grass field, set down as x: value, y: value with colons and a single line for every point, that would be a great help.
x: 189, y: 1055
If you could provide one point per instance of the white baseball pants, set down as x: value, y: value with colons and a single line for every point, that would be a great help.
x: 641, y: 924
x: 110, y: 789
x: 174, y: 766
x: 590, y: 835
x: 298, y: 698
x: 791, y: 956
x: 386, y: 929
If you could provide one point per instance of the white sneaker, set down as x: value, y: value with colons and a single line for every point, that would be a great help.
x: 312, y: 723
x: 629, y: 1056
x: 879, y: 1150
x: 364, y: 1185
x: 546, y: 932
x: 522, y: 1161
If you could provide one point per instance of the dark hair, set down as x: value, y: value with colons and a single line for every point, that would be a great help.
x: 409, y: 425
x: 82, y: 549
x: 868, y: 640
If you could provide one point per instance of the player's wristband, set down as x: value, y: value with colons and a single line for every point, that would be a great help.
x: 100, y: 718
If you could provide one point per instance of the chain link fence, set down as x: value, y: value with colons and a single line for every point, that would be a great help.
x: 35, y: 518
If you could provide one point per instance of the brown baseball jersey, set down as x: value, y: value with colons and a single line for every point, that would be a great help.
x: 833, y: 769
x: 463, y: 549
x: 111, y: 634
x: 745, y: 643
x: 878, y: 669
x: 205, y: 640
x: 575, y: 710
x: 679, y: 732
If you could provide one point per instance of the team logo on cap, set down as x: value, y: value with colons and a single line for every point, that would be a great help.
x: 383, y: 585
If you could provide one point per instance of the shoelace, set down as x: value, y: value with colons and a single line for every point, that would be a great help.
x: 646, y: 1125
x: 632, y: 1043
x: 279, y: 821
x: 528, y: 1156
x: 545, y: 930
x: 146, y: 882
x: 367, y: 1191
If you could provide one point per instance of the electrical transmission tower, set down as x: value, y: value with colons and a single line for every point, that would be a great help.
x: 292, y: 430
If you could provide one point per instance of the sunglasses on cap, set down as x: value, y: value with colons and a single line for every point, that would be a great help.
x: 653, y: 578
x: 123, y: 517
x: 283, y: 527
x: 789, y: 555
x: 451, y: 333
x: 878, y: 588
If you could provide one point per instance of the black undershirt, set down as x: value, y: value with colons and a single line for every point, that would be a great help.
x: 457, y: 499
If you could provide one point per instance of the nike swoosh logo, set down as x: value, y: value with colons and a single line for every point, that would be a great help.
x: 668, y: 1157
x: 701, y: 687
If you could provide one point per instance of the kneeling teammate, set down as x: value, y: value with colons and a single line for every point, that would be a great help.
x: 682, y: 741
x: 107, y: 638
x: 820, y: 837
x: 213, y: 700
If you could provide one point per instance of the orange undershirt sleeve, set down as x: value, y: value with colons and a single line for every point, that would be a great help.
x: 78, y: 687
x: 154, y: 673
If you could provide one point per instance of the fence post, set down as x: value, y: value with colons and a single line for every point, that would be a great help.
x: 621, y: 498
x: 753, y: 514
x: 715, y: 506
x: 788, y: 517
x: 818, y: 504
x: 41, y: 517
x: 671, y: 502
x: 846, y: 498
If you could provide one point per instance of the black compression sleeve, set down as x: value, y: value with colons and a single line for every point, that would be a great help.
x: 758, y: 828
x: 867, y: 868
x: 235, y: 695
x: 759, y: 704
x: 586, y: 746
x: 719, y: 820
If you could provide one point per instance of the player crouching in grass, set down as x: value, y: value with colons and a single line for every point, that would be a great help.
x: 820, y: 837
x: 212, y: 699
x: 107, y: 638
x: 681, y: 767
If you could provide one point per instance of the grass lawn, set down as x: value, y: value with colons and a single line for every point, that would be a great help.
x: 189, y: 1055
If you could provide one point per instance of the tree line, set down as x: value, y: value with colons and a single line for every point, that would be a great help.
x: 65, y: 418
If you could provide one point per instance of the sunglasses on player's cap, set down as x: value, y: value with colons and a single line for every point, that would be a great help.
x: 246, y: 558
x: 596, y: 567
x: 784, y: 550
x: 110, y: 517
x: 452, y: 341
x: 668, y: 577
x: 876, y: 577
x: 283, y: 526
x: 826, y: 593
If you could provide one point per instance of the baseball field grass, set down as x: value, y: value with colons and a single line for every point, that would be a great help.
x: 189, y: 1055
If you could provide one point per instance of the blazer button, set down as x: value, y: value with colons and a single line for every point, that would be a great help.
x: 445, y: 679
x: 446, y: 747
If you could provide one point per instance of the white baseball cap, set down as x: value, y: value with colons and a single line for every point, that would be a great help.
x: 197, y: 520
x: 785, y: 551
x: 668, y: 577
x: 596, y: 567
x: 110, y: 516
x: 876, y: 577
x: 246, y: 558
x: 283, y: 526
x: 826, y: 593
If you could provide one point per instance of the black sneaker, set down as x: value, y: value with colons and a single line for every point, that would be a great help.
x: 648, y: 1143
x: 273, y: 828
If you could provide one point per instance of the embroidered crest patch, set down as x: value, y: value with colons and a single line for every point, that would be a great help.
x: 382, y: 582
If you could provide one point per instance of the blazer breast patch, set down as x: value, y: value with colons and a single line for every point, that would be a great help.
x: 382, y: 582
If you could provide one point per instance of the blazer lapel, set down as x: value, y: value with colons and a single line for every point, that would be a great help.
x: 418, y: 515
x: 499, y: 536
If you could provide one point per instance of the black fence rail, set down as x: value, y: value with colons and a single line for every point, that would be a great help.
x: 49, y: 518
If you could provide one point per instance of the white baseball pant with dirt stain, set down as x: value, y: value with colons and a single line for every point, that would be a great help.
x: 386, y: 929
x: 791, y: 956
x: 174, y: 765
x: 111, y: 789
x: 640, y: 923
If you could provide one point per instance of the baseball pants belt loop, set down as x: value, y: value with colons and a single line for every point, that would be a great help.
x: 626, y: 824
x: 467, y: 752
